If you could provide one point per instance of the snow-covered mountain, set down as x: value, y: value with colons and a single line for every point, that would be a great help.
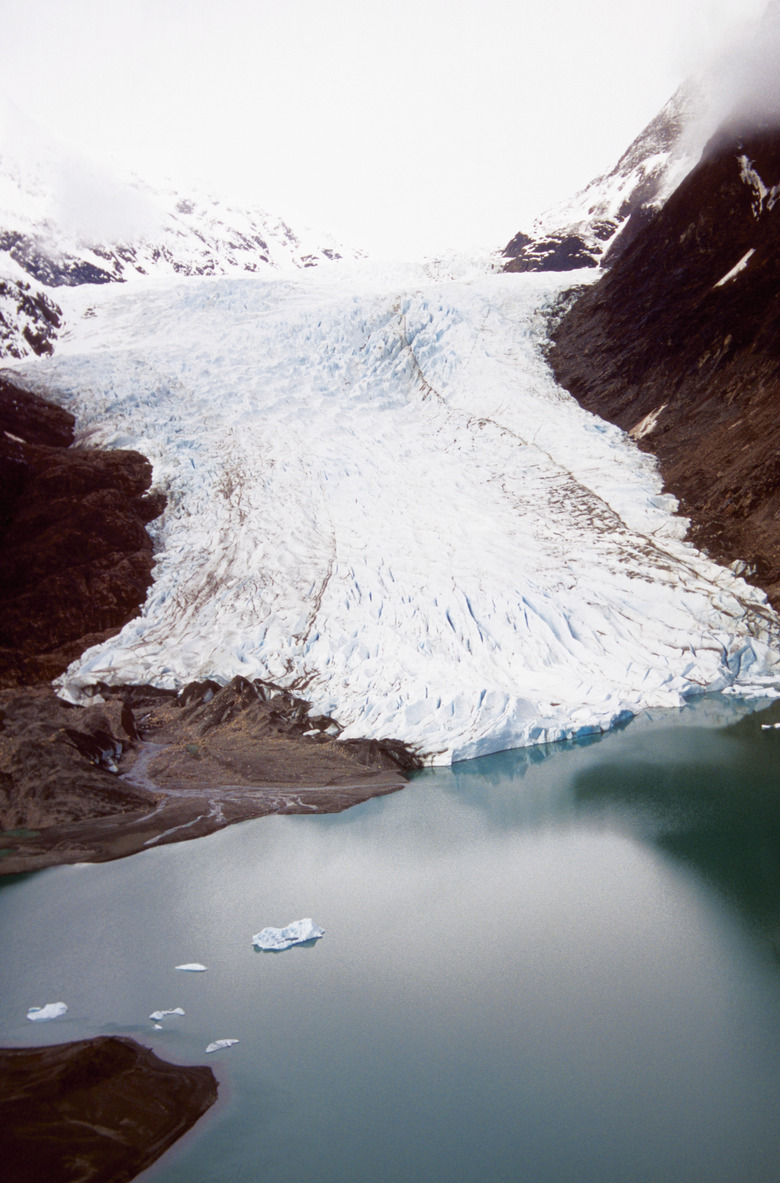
x: 64, y: 222
x: 378, y: 497
x: 187, y: 236
x: 598, y: 223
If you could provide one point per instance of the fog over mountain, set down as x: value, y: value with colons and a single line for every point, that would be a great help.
x: 745, y: 85
x: 65, y: 220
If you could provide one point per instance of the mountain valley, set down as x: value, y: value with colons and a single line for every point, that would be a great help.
x: 359, y: 489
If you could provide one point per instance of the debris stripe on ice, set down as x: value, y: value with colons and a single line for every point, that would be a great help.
x: 378, y: 496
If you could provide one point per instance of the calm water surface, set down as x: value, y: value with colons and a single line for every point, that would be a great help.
x: 556, y: 966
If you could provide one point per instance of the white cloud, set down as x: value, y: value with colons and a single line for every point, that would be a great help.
x: 411, y: 122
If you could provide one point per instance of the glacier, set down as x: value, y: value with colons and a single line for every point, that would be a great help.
x: 379, y: 498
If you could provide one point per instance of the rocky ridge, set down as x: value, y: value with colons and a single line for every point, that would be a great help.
x: 678, y: 343
x: 77, y: 558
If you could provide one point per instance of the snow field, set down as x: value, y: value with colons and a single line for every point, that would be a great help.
x: 379, y: 497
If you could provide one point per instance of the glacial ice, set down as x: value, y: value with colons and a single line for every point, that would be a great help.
x: 378, y: 497
x: 219, y: 1044
x: 297, y: 933
x: 52, y: 1010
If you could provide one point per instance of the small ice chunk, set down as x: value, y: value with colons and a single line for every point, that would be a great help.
x: 158, y: 1027
x: 294, y: 934
x: 52, y: 1010
x: 218, y: 1044
x: 192, y: 967
x: 157, y: 1015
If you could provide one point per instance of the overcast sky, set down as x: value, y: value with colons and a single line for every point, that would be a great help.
x: 398, y: 125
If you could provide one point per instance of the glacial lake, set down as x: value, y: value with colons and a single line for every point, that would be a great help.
x: 557, y: 965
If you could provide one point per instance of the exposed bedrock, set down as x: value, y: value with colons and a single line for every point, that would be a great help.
x: 99, y: 1109
x: 76, y: 556
x: 679, y: 344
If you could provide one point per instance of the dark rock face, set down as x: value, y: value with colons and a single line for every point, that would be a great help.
x: 76, y: 557
x: 101, y: 1109
x: 679, y: 344
x: 552, y: 252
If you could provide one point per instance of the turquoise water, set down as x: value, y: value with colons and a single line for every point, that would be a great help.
x: 555, y: 965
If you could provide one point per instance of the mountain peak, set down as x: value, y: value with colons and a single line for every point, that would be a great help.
x: 597, y: 223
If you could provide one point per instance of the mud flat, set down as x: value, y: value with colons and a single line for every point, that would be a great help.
x: 139, y: 766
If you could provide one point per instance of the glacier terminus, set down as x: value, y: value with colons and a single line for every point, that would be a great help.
x: 379, y: 498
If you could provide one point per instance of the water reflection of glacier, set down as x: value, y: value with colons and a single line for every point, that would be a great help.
x: 700, y: 784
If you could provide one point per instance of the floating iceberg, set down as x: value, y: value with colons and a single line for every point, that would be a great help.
x: 52, y: 1010
x: 218, y: 1044
x: 157, y: 1015
x: 192, y: 967
x: 296, y: 933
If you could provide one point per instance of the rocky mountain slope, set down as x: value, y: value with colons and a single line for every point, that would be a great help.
x: 679, y: 344
x: 598, y: 223
x: 76, y: 557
